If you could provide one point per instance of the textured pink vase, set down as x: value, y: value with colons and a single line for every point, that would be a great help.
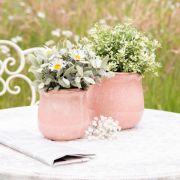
x: 63, y: 115
x: 120, y: 97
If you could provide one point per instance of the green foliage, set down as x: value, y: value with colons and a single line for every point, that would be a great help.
x: 70, y: 67
x: 128, y: 49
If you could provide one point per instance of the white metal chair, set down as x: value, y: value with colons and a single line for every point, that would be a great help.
x: 11, y: 61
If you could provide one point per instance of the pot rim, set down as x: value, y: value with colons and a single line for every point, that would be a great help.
x: 127, y: 73
x: 70, y: 90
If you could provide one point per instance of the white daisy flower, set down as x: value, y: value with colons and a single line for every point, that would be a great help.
x: 11, y: 18
x: 56, y: 32
x: 28, y: 10
x: 78, y: 55
x: 41, y: 14
x: 17, y: 39
x: 102, y: 21
x: 67, y: 34
x: 57, y: 65
x: 22, y: 4
x: 61, y: 11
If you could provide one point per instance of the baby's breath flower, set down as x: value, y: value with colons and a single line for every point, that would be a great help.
x: 92, y: 31
x: 103, y: 128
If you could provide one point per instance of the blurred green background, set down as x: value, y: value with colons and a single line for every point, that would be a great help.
x: 32, y: 23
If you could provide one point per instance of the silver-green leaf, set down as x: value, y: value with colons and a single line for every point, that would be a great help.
x: 79, y: 70
x: 89, y: 80
x: 77, y: 81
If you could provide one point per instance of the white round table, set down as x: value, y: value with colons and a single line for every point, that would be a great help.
x: 149, y: 151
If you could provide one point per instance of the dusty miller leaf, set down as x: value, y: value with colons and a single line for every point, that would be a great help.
x: 64, y: 82
x: 47, y: 82
x: 78, y: 82
x: 69, y: 71
x: 41, y: 85
x: 79, y: 70
x: 89, y: 80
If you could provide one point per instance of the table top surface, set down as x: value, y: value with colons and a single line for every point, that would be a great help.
x: 149, y: 151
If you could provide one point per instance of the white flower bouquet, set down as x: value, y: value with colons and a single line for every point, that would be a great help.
x: 75, y: 66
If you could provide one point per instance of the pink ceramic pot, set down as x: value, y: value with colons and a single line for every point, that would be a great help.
x: 63, y: 115
x: 120, y: 97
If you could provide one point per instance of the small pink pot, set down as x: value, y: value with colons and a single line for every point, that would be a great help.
x: 63, y: 115
x: 120, y: 97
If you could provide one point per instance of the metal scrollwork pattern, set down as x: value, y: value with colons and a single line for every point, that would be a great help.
x: 11, y: 61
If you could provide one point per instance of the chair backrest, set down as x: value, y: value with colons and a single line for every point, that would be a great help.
x: 10, y: 62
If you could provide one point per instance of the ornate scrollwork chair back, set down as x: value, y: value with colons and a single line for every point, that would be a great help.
x: 8, y: 75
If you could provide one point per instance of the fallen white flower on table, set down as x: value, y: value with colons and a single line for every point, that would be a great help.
x: 103, y: 128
